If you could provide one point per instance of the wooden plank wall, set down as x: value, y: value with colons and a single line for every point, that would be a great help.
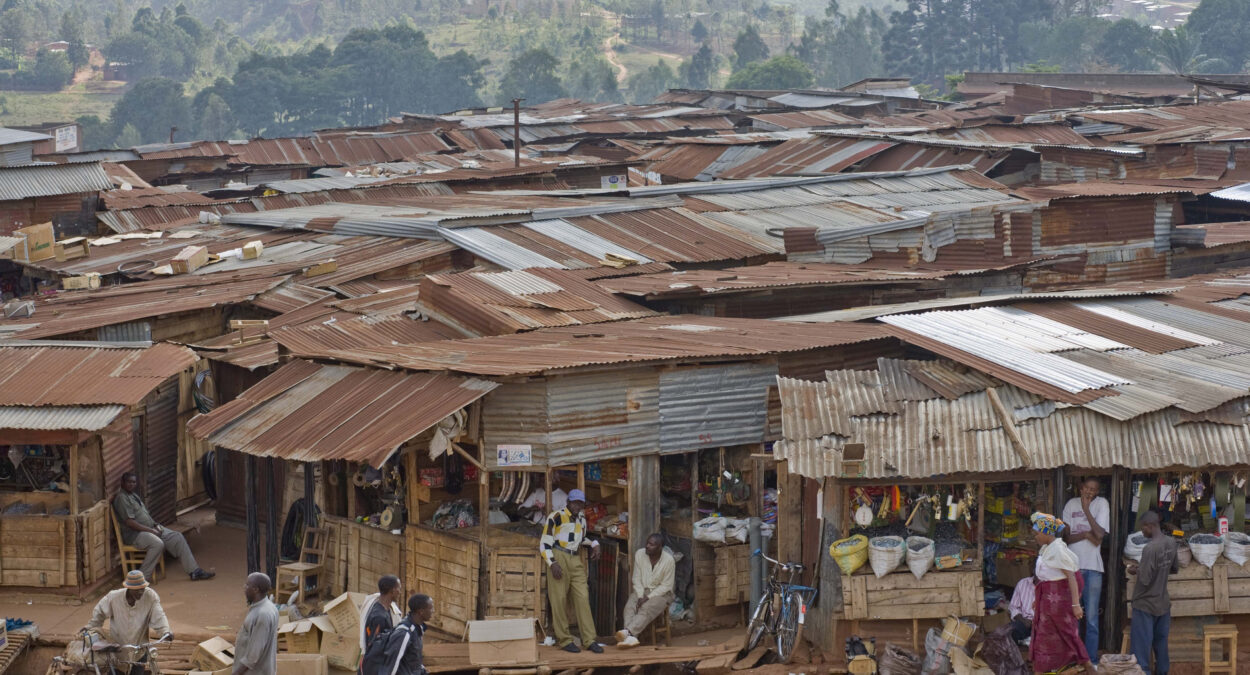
x: 900, y: 595
x: 373, y: 553
x: 1200, y: 591
x: 446, y: 566
x: 97, y: 545
x: 39, y: 550
x: 733, y: 574
x: 518, y: 583
x: 190, y: 449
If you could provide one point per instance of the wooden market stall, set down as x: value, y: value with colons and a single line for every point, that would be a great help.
x: 64, y: 449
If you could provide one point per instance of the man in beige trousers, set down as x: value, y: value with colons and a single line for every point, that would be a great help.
x: 652, y: 590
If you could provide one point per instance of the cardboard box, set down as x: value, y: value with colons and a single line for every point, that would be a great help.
x: 342, y: 650
x: 37, y: 243
x: 503, y: 642
x: 213, y: 654
x: 304, y: 636
x: 189, y: 260
x: 68, y: 249
x: 253, y: 249
x: 344, y: 612
x: 288, y: 664
x: 89, y: 281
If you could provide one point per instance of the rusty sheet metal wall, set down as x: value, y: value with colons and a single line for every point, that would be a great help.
x: 118, y: 455
x: 575, y: 418
x: 712, y: 406
x: 160, y: 452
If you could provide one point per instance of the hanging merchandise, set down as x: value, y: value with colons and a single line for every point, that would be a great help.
x: 863, y: 516
x: 447, y: 430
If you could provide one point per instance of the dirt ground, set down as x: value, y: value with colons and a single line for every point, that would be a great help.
x: 195, y: 609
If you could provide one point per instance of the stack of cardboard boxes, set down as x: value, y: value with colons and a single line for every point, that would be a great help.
x: 311, y: 646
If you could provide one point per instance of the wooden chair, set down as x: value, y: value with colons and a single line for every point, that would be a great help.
x: 296, y: 576
x: 132, y: 556
x: 1212, y: 633
x: 662, y: 624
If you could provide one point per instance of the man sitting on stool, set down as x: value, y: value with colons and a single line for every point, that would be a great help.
x: 1021, y: 610
x: 652, y: 591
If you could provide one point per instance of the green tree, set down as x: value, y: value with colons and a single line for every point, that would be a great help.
x: 94, y: 133
x: 1072, y: 43
x: 1180, y: 51
x: 129, y: 137
x: 52, y: 71
x: 699, y: 69
x: 840, y: 49
x: 749, y: 47
x: 16, y: 28
x: 152, y: 107
x: 216, y: 121
x: 779, y: 72
x: 531, y: 76
x: 591, y: 78
x: 646, y: 85
x: 72, y: 32
x: 699, y: 31
x: 1126, y: 45
x: 457, y: 80
x: 1223, y: 27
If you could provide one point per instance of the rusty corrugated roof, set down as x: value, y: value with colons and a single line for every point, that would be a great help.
x: 35, y: 376
x: 496, y: 303
x: 309, y: 412
x: 665, y: 338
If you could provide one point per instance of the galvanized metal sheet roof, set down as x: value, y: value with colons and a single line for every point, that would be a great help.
x: 308, y: 412
x: 12, y: 136
x: 22, y: 182
x: 60, y: 376
x: 55, y: 418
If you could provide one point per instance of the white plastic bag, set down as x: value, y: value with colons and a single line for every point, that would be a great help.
x: 711, y: 530
x: 1237, y: 547
x: 737, y: 530
x: 1133, y: 546
x: 1208, y: 551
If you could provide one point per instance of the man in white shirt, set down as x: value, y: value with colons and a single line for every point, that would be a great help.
x: 1088, y: 518
x: 1021, y: 609
x: 133, y: 612
x: 651, y: 594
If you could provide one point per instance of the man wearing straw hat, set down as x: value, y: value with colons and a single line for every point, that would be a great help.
x: 133, y: 612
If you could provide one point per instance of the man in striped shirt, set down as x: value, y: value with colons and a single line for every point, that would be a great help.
x: 563, y: 536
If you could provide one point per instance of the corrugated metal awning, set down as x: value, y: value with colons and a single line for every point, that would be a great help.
x: 55, y: 418
x: 307, y: 412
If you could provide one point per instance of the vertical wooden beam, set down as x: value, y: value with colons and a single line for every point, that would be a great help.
x: 249, y: 501
x: 789, y: 514
x: 310, y: 494
x: 581, y: 476
x: 73, y: 480
x: 272, y: 527
x: 980, y: 501
x: 351, y: 490
x: 644, y: 500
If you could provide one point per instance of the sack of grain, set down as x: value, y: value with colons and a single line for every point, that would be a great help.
x: 920, y: 554
x: 1133, y: 546
x: 1206, y: 548
x: 1236, y: 547
x: 885, y: 554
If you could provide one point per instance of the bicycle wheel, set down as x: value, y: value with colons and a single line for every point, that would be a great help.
x: 789, y: 626
x: 760, y: 619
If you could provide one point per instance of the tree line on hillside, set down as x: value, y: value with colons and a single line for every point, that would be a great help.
x: 373, y: 74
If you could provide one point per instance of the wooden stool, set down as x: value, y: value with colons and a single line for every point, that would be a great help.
x: 1212, y: 633
x: 665, y: 626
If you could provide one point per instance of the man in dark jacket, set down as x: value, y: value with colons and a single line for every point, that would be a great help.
x: 404, y: 643
x: 377, y: 614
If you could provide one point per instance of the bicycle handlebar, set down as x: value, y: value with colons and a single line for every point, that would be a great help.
x: 789, y: 566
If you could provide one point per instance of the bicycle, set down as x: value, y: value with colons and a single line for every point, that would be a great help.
x: 145, y: 656
x: 782, y: 609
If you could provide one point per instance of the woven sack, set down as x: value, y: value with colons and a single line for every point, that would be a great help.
x: 885, y: 554
x: 850, y: 553
x: 920, y: 560
x: 1206, y: 553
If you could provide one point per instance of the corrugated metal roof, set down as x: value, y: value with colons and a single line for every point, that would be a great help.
x: 495, y: 303
x: 60, y: 376
x: 364, y: 331
x: 11, y: 136
x: 22, y: 182
x: 937, y: 436
x: 308, y: 412
x: 655, y: 339
x: 54, y: 418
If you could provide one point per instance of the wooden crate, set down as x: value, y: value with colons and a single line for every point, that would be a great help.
x: 450, y: 564
x: 1198, y: 591
x: 901, y: 595
x: 38, y: 549
x: 733, y: 574
x: 518, y: 583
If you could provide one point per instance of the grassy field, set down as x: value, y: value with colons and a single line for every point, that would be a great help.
x: 33, y: 107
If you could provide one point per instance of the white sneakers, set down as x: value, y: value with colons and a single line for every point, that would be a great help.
x: 628, y: 642
x: 621, y: 635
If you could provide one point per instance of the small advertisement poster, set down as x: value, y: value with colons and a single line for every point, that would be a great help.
x: 66, y: 139
x: 612, y: 182
x: 515, y: 455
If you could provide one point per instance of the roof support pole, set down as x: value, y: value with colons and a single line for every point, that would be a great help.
x: 271, y: 521
x: 249, y: 501
x: 73, y: 479
x: 310, y: 491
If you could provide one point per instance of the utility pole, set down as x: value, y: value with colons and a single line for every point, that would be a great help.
x: 516, y: 131
x: 171, y: 134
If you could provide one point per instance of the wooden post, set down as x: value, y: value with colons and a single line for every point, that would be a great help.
x: 249, y: 501
x: 271, y: 520
x: 73, y: 480
x: 310, y: 494
x: 581, y: 477
x: 351, y: 490
x: 981, y: 525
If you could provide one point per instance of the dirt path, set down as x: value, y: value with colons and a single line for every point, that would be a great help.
x: 622, y: 73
